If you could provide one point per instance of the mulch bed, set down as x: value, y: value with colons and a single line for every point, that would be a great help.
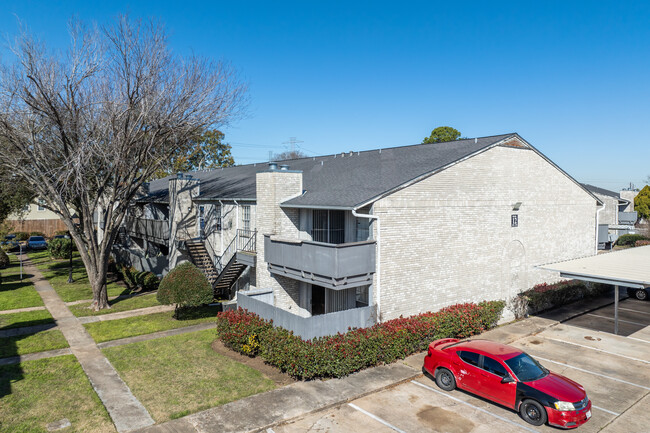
x: 280, y: 379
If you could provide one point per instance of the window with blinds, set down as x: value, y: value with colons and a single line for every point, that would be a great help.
x: 328, y: 226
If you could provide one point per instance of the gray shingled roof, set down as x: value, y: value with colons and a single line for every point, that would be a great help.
x: 602, y: 191
x: 338, y: 181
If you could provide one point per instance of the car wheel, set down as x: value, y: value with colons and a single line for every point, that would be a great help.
x: 445, y: 379
x: 532, y: 412
x: 641, y: 294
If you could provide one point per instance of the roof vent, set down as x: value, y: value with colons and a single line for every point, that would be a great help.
x: 273, y: 165
x: 476, y: 140
x: 284, y: 167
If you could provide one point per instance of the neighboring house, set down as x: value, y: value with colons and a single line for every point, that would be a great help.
x: 614, y: 219
x: 319, y: 244
x: 36, y: 218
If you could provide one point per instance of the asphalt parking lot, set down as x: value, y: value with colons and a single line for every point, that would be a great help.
x: 614, y: 369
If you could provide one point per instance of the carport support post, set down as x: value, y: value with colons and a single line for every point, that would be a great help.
x: 616, y: 309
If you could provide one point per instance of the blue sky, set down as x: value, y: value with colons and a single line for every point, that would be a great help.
x: 571, y: 77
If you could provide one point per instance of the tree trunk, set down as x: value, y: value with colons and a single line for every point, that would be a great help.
x: 100, y: 293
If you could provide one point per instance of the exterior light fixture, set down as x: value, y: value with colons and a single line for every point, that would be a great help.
x: 516, y: 206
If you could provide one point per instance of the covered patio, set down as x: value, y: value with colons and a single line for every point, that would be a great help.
x: 627, y: 268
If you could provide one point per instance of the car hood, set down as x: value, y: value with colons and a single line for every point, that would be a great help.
x: 560, y: 387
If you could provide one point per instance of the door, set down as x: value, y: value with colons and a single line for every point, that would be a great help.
x: 317, y: 300
x: 469, y: 373
x: 492, y: 374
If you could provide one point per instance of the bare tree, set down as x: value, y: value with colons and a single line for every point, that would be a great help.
x: 86, y: 128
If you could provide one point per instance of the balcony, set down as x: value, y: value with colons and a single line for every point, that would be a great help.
x: 335, y: 266
x: 149, y: 229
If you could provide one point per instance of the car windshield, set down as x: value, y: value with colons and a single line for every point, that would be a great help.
x: 526, y: 368
x: 36, y: 238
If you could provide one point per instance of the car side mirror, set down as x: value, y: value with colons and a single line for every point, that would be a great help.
x: 507, y: 379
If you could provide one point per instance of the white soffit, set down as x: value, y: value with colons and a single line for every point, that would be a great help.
x: 629, y: 267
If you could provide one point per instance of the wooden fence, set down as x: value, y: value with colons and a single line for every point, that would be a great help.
x: 48, y: 227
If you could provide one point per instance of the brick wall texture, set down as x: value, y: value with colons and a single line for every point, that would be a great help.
x: 448, y: 238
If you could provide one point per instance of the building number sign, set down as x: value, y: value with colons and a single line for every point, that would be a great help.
x: 514, y: 220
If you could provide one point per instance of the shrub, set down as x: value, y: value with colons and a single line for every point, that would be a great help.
x: 4, y: 259
x: 61, y: 232
x: 150, y: 281
x: 37, y: 234
x: 21, y: 236
x: 61, y: 248
x: 342, y: 354
x: 629, y: 240
x: 641, y: 243
x: 185, y: 286
x: 544, y: 296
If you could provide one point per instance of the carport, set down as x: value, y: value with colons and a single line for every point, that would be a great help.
x: 628, y: 268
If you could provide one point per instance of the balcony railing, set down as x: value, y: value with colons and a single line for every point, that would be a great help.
x: 339, y: 266
x: 150, y: 229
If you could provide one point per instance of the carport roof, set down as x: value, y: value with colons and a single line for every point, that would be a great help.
x: 628, y: 267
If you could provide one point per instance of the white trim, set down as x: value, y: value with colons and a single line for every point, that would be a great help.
x: 620, y: 320
x: 604, y: 410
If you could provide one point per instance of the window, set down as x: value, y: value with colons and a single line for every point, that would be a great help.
x: 246, y: 217
x: 41, y: 204
x: 493, y: 366
x: 469, y: 357
x: 218, y: 217
x: 328, y: 226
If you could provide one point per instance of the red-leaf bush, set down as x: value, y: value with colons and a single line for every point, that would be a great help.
x: 342, y: 354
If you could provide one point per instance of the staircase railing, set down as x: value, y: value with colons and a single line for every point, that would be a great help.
x: 244, y: 240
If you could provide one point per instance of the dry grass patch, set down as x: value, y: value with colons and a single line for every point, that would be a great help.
x: 179, y: 375
x: 36, y: 393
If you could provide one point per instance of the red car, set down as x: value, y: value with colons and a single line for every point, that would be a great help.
x: 509, y: 377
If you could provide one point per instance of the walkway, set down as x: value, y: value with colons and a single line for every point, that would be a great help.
x: 126, y: 412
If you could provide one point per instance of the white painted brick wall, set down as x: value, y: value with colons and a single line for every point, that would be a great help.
x: 448, y: 238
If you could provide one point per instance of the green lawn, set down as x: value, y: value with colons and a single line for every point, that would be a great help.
x: 140, y: 325
x: 117, y: 305
x: 36, y: 393
x: 178, y: 375
x: 28, y: 318
x: 15, y: 293
x: 32, y: 343
x: 57, y: 271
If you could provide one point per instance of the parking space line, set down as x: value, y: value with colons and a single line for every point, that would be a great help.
x: 620, y: 320
x: 604, y: 410
x: 475, y: 407
x: 635, y: 311
x: 638, y: 339
x: 376, y: 418
x: 594, y: 373
x: 596, y: 349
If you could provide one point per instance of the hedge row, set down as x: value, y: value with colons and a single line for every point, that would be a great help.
x: 342, y: 354
x: 630, y: 239
x: 136, y: 280
x: 544, y: 296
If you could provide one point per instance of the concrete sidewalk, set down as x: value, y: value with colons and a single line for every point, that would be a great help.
x: 126, y: 412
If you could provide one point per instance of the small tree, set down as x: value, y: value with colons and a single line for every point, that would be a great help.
x: 185, y: 286
x: 642, y: 202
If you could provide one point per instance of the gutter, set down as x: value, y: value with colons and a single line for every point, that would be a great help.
x: 378, y: 288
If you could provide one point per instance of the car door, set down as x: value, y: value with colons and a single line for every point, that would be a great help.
x: 469, y: 373
x: 493, y: 372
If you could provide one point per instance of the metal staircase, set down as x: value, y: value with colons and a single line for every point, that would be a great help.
x: 227, y: 268
x: 201, y: 259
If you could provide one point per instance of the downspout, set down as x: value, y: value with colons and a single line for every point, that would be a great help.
x: 378, y: 288
x: 237, y: 220
x: 221, y: 234
x: 597, y: 221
